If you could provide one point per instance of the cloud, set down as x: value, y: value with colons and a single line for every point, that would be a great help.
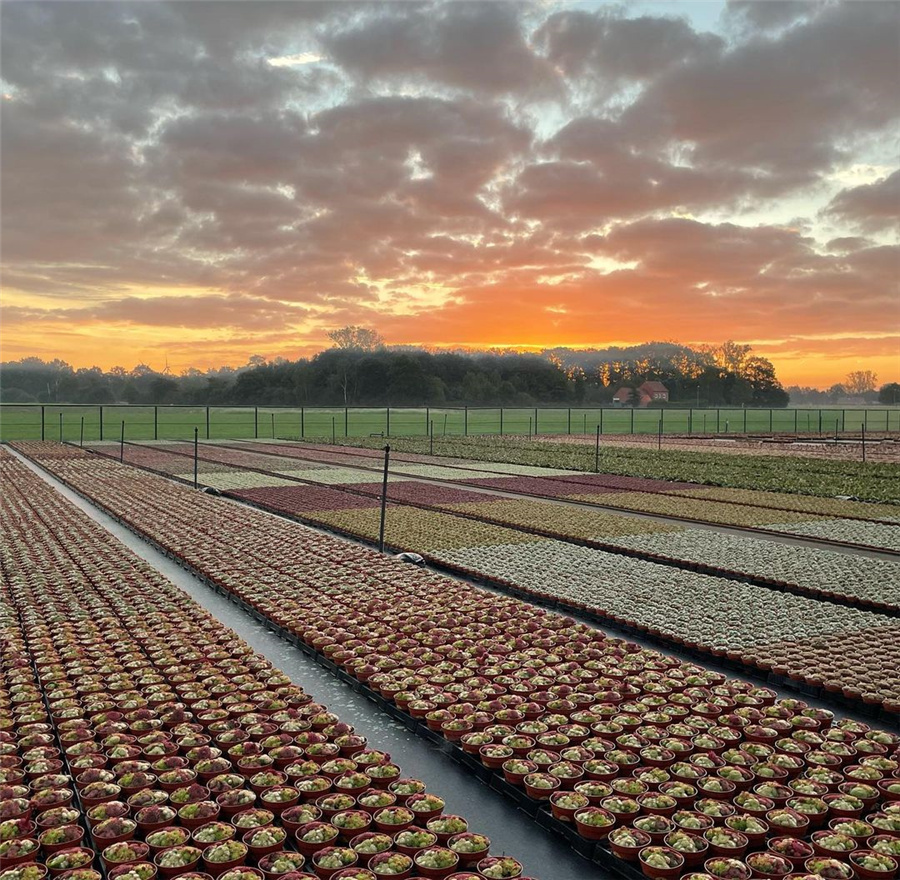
x: 788, y: 107
x: 768, y: 15
x: 477, y: 46
x: 446, y: 171
x: 601, y: 46
x: 204, y: 311
x: 872, y: 206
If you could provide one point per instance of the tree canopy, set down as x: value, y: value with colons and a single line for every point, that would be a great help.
x: 360, y: 370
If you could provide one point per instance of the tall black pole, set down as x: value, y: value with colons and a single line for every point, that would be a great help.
x: 273, y: 426
x: 61, y: 426
x: 333, y: 429
x: 529, y: 427
x: 196, y: 454
x: 864, y: 442
x: 384, y: 484
x: 597, y: 452
x: 659, y: 435
x: 122, y: 443
x: 82, y: 431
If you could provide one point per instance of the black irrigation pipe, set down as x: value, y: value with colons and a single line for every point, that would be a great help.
x: 702, y: 655
x: 568, y: 481
x: 631, y: 553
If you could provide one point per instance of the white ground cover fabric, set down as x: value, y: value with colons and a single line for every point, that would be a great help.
x: 710, y: 610
x: 877, y: 580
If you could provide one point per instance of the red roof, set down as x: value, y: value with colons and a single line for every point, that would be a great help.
x: 650, y: 387
x: 624, y: 393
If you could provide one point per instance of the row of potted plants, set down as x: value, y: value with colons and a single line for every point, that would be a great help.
x: 812, y: 571
x: 134, y: 725
x: 818, y: 572
x: 270, y: 601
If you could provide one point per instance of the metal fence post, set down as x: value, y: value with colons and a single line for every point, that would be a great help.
x: 346, y: 420
x: 101, y: 422
x: 501, y: 421
x: 569, y: 422
x: 431, y: 438
x: 255, y: 422
x: 795, y: 421
x: 43, y: 426
x: 302, y: 423
x: 535, y: 421
x: 864, y: 442
x: 529, y: 427
x: 273, y: 425
x: 122, y: 443
x: 196, y: 454
x: 632, y: 420
x: 156, y: 423
x: 427, y: 418
x: 333, y: 430
x: 82, y: 432
x: 770, y: 421
x: 745, y: 419
x: 466, y: 422
x: 207, y: 423
x: 690, y: 419
x: 659, y: 435
x: 843, y: 420
x: 600, y: 422
x: 718, y: 411
x: 61, y: 426
x: 384, y: 485
x: 597, y: 452
x: 387, y: 422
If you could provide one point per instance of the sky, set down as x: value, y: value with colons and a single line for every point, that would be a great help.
x: 192, y: 183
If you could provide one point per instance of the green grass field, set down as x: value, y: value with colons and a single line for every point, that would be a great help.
x: 23, y: 421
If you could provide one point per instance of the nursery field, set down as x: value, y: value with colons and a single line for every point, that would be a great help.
x: 144, y: 737
x: 776, y: 622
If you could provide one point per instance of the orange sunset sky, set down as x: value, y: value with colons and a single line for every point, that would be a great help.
x: 193, y: 183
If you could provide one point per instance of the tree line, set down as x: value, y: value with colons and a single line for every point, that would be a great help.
x: 360, y: 370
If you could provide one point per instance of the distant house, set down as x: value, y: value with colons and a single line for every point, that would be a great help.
x: 649, y: 392
x: 622, y: 396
